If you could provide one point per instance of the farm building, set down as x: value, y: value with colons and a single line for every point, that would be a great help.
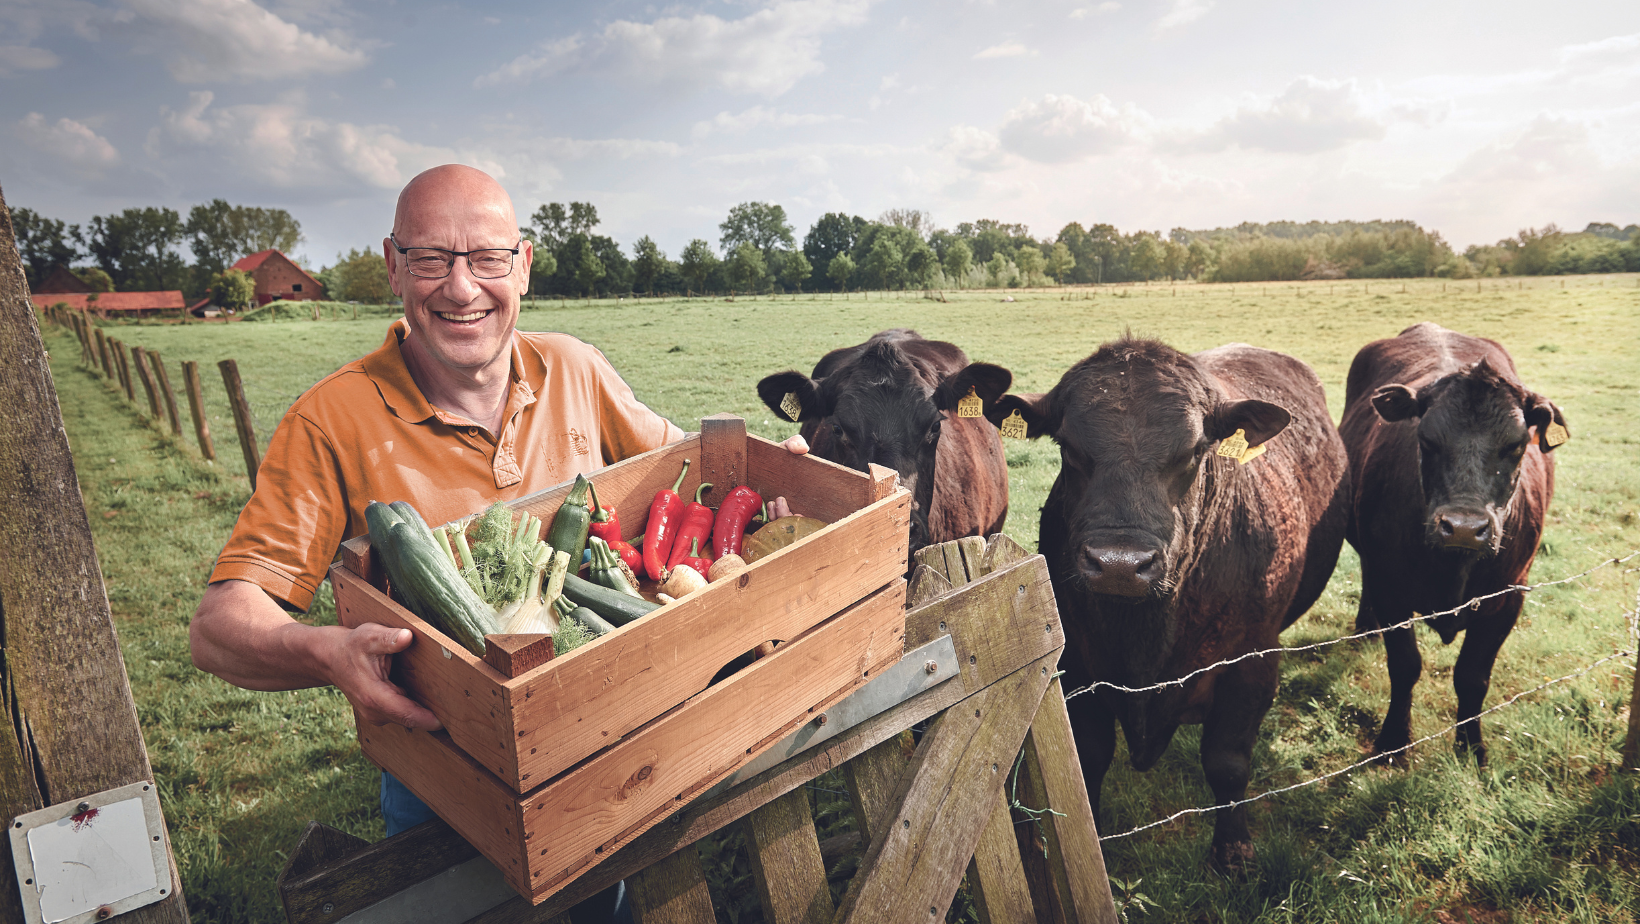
x: 58, y: 281
x: 114, y: 304
x: 278, y: 277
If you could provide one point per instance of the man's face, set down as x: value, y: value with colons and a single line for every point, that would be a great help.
x: 461, y: 322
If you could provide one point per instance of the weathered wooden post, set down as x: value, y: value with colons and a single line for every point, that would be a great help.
x: 102, y: 351
x: 139, y: 356
x: 70, y: 729
x: 125, y: 371
x: 242, y: 418
x: 196, y: 406
x: 162, y: 380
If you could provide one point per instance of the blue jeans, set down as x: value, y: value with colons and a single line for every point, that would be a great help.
x: 403, y: 811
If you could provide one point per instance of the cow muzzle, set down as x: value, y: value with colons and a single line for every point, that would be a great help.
x: 1463, y: 529
x: 1121, y: 570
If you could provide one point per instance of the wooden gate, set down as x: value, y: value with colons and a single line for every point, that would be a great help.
x: 974, y: 775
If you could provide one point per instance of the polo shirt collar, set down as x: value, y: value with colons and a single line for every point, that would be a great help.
x: 386, y: 368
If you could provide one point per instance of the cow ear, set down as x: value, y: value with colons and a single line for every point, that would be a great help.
x: 774, y: 389
x: 1258, y: 420
x: 1541, y: 413
x: 989, y: 382
x: 1396, y: 402
x: 1035, y: 409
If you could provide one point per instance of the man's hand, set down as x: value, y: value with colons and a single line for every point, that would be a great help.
x: 359, y: 669
x: 797, y: 445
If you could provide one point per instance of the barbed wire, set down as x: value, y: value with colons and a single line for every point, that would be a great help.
x: 1314, y: 646
x: 1374, y: 759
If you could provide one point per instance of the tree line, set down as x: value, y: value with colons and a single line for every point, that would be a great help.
x: 758, y: 251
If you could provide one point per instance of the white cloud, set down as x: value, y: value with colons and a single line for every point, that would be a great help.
x: 757, y: 117
x: 1004, y: 50
x: 1310, y: 116
x: 974, y: 148
x: 206, y: 40
x: 67, y: 145
x: 1183, y: 12
x: 1083, y: 12
x: 15, y: 58
x: 607, y: 148
x: 764, y: 53
x: 1058, y: 129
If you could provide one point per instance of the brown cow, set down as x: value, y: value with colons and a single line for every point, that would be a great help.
x: 892, y: 401
x: 1168, y: 557
x: 1450, y: 493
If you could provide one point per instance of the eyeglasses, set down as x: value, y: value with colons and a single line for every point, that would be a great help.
x: 434, y: 263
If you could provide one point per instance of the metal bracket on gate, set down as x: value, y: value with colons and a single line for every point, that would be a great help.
x: 90, y: 859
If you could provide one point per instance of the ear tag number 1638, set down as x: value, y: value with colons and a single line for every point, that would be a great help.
x: 971, y: 406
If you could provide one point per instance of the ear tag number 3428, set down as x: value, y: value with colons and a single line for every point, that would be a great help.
x: 971, y: 406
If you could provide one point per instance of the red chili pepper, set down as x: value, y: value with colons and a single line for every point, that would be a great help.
x: 736, y: 511
x: 693, y: 559
x: 696, y: 525
x: 630, y: 555
x: 606, y: 524
x: 659, y: 533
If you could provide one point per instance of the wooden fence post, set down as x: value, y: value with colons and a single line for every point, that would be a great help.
x: 70, y: 727
x: 140, y: 357
x: 125, y: 371
x: 196, y: 406
x: 242, y: 418
x: 162, y: 379
x: 102, y: 351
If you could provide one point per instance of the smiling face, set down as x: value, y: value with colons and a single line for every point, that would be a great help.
x: 460, y: 324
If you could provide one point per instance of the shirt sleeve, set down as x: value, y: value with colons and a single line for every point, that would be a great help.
x: 289, y: 532
x: 627, y: 425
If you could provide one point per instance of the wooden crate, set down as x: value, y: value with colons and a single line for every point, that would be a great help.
x: 548, y: 771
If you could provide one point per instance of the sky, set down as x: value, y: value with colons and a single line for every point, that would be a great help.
x: 1472, y: 119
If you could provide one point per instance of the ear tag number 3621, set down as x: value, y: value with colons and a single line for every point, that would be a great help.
x: 971, y: 406
x: 1013, y: 427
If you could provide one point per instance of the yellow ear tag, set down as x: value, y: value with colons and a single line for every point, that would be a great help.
x: 971, y: 406
x: 790, y: 406
x: 1555, y: 434
x: 1013, y: 427
x: 1252, y: 454
x: 1232, y: 446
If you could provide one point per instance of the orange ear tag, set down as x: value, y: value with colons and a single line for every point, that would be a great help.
x: 1013, y: 427
x: 971, y: 406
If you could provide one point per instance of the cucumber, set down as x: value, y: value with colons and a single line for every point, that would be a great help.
x: 451, y: 604
x: 612, y: 605
x: 381, y: 518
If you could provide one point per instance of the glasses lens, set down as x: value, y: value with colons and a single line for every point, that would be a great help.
x: 432, y: 264
x: 490, y: 264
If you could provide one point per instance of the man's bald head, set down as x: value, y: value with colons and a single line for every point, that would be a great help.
x: 440, y: 189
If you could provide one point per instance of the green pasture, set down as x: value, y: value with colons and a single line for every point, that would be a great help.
x: 1549, y: 832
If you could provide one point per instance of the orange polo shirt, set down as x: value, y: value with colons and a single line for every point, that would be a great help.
x: 366, y: 433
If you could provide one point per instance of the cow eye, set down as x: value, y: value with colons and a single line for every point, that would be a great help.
x: 1512, y: 451
x: 933, y: 432
x: 1428, y: 448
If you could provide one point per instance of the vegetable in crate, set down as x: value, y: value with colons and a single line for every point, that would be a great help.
x: 682, y: 581
x: 694, y: 560
x: 572, y: 522
x: 631, y: 557
x: 734, y: 513
x: 694, y: 527
x: 606, y: 569
x: 424, y: 577
x: 779, y: 534
x: 589, y: 620
x: 504, y: 565
x: 661, y: 530
x: 606, y: 523
x: 612, y: 605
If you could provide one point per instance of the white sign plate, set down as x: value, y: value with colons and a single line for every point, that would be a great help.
x: 103, y: 851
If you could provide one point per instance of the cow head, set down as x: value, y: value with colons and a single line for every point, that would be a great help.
x: 880, y: 403
x: 1473, y: 427
x: 1135, y: 422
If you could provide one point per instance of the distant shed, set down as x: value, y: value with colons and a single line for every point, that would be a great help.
x: 276, y: 276
x: 114, y: 304
x: 58, y: 281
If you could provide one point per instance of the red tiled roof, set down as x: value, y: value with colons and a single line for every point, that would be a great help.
x: 254, y: 260
x: 114, y: 301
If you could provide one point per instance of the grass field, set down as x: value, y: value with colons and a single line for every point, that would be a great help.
x: 1550, y: 832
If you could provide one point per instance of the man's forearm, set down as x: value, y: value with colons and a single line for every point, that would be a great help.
x: 241, y: 635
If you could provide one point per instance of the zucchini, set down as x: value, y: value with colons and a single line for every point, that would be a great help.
x: 612, y: 605
x: 424, y: 576
x: 589, y: 620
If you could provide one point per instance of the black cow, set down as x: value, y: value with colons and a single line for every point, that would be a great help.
x: 1168, y: 557
x: 892, y: 401
x: 1450, y: 494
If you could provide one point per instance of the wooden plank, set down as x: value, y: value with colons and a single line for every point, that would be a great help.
x: 943, y: 805
x: 512, y: 655
x: 722, y: 454
x: 162, y: 381
x: 630, y: 484
x: 196, y: 407
x: 243, y: 422
x: 68, y: 723
x: 995, y: 874
x: 828, y: 491
x: 1000, y: 551
x: 972, y: 549
x: 139, y: 358
x: 347, y: 873
x: 1053, y: 777
x: 872, y: 779
x: 672, y: 891
x: 786, y: 864
x: 883, y: 480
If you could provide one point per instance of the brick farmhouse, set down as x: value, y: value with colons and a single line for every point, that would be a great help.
x: 277, y: 277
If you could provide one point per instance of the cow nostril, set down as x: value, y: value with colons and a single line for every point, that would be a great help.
x: 1151, y: 568
x: 1446, y: 528
x: 1091, y: 563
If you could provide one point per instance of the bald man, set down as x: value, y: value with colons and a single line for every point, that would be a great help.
x: 456, y: 410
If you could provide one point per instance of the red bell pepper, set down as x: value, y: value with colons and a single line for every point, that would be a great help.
x: 630, y: 555
x: 696, y: 526
x: 729, y: 530
x: 693, y: 559
x: 606, y: 524
x: 661, y: 531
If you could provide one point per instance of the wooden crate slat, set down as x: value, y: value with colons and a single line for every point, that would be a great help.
x: 828, y: 491
x: 722, y: 455
x: 672, y: 891
x: 786, y: 864
x: 914, y: 869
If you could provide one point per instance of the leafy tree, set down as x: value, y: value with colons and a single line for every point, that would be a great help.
x: 94, y: 277
x: 835, y: 233
x: 137, y: 249
x: 43, y: 243
x: 697, y: 263
x: 617, y: 276
x: 1199, y: 259
x: 1060, y: 262
x: 998, y: 269
x: 581, y: 263
x: 543, y: 265
x: 840, y: 271
x: 884, y: 265
x: 761, y: 224
x: 357, y: 276
x: 959, y: 257
x: 1029, y: 261
x: 236, y: 290
x: 917, y: 221
x: 746, y: 267
x: 219, y: 233
x: 921, y: 266
x: 794, y: 269
x: 554, y: 224
x: 648, y: 263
